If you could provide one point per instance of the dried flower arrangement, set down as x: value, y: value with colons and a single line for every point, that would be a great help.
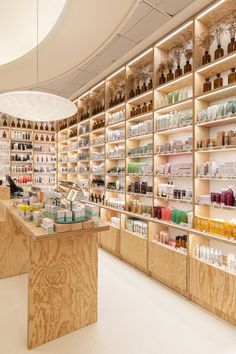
x: 205, y: 40
x: 145, y: 73
x: 161, y: 68
x: 177, y: 52
x: 230, y: 22
x: 188, y: 53
x: 170, y: 63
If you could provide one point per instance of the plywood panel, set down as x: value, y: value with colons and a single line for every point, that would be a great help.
x: 110, y: 240
x: 168, y: 266
x: 62, y: 291
x: 14, y: 248
x: 4, y: 193
x: 214, y: 289
x: 133, y: 249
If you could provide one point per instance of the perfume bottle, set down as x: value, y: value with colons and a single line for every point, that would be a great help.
x: 29, y: 125
x: 218, y: 82
x: 232, y: 76
x: 207, y: 85
x: 150, y: 84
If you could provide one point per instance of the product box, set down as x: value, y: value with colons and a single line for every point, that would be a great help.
x: 61, y: 215
x: 68, y: 215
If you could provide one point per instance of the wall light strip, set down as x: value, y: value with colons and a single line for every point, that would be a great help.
x: 115, y: 107
x: 173, y: 82
x: 98, y: 85
x: 174, y: 33
x: 97, y: 115
x: 116, y: 73
x: 139, y: 96
x: 140, y: 56
x: 215, y: 63
x: 233, y: 87
x: 85, y: 94
x: 210, y: 9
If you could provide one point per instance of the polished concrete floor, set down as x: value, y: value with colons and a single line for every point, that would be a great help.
x: 136, y: 316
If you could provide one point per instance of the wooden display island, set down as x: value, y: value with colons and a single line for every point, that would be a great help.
x: 62, y: 269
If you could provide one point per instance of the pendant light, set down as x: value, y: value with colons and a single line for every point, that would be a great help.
x: 36, y: 105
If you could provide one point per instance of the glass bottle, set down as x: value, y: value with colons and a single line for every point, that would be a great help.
x: 150, y: 84
x: 29, y: 125
x: 52, y: 138
x: 150, y: 106
x: 42, y: 138
x: 18, y: 124
x: 170, y: 75
x: 137, y: 91
x: 36, y: 137
x: 23, y: 125
x: 218, y: 82
x: 13, y: 124
x: 144, y: 87
x: 207, y: 85
x: 206, y: 58
x: 162, y: 79
x: 232, y: 76
x: 178, y: 71
x: 41, y: 126
x: 232, y: 45
x: 144, y: 108
x: 52, y: 128
x: 36, y: 126
x: 187, y: 67
x: 46, y: 126
x: 219, y: 52
x: 131, y: 94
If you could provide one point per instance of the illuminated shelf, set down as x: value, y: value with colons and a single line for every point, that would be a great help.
x: 219, y: 65
x: 218, y: 122
x: 140, y: 137
x: 181, y: 105
x: 175, y: 153
x: 179, y: 82
x: 121, y: 123
x: 167, y: 199
x: 148, y: 95
x: 141, y: 117
x: 187, y: 128
x: 218, y: 94
x: 140, y: 194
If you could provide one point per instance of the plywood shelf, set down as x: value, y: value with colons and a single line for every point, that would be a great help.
x: 217, y: 66
x: 181, y: 105
x: 218, y: 94
x: 187, y: 128
x: 177, y: 83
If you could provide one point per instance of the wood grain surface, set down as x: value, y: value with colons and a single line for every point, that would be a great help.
x: 133, y: 250
x: 110, y: 240
x: 62, y: 286
x: 172, y: 272
x: 14, y: 247
x: 214, y: 289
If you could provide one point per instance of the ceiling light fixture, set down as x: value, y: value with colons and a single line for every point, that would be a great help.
x: 36, y: 105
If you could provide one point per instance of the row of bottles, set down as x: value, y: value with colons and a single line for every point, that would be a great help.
x: 98, y: 124
x: 137, y: 91
x: 118, y: 99
x: 97, y: 198
x: 19, y: 135
x: 218, y: 81
x: 141, y: 109
x: 43, y: 138
x: 21, y: 146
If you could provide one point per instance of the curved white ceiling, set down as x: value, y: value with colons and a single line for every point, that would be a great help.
x: 18, y: 25
x: 82, y: 30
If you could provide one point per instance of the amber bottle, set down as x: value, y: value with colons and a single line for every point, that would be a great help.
x: 232, y: 76
x: 162, y: 79
x: 150, y: 84
x: 36, y: 126
x: 206, y: 58
x: 137, y: 91
x: 131, y: 94
x: 178, y: 71
x: 218, y: 82
x: 144, y: 87
x: 170, y: 75
x: 219, y: 52
x: 187, y: 67
x: 13, y: 124
x: 18, y: 124
x: 207, y: 85
x: 232, y: 45
x: 29, y: 125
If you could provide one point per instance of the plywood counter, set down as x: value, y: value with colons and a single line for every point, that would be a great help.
x: 62, y: 273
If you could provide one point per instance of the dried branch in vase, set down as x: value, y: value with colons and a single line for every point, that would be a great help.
x: 205, y: 41
x: 188, y: 53
x: 230, y: 27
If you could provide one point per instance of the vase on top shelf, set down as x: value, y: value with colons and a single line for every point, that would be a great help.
x: 206, y: 58
x: 178, y: 71
x: 219, y: 52
x: 170, y: 66
x: 231, y: 45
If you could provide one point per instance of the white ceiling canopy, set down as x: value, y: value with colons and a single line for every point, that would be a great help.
x: 18, y: 25
x: 37, y: 106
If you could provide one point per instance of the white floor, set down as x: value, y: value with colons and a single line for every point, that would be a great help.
x: 136, y: 316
